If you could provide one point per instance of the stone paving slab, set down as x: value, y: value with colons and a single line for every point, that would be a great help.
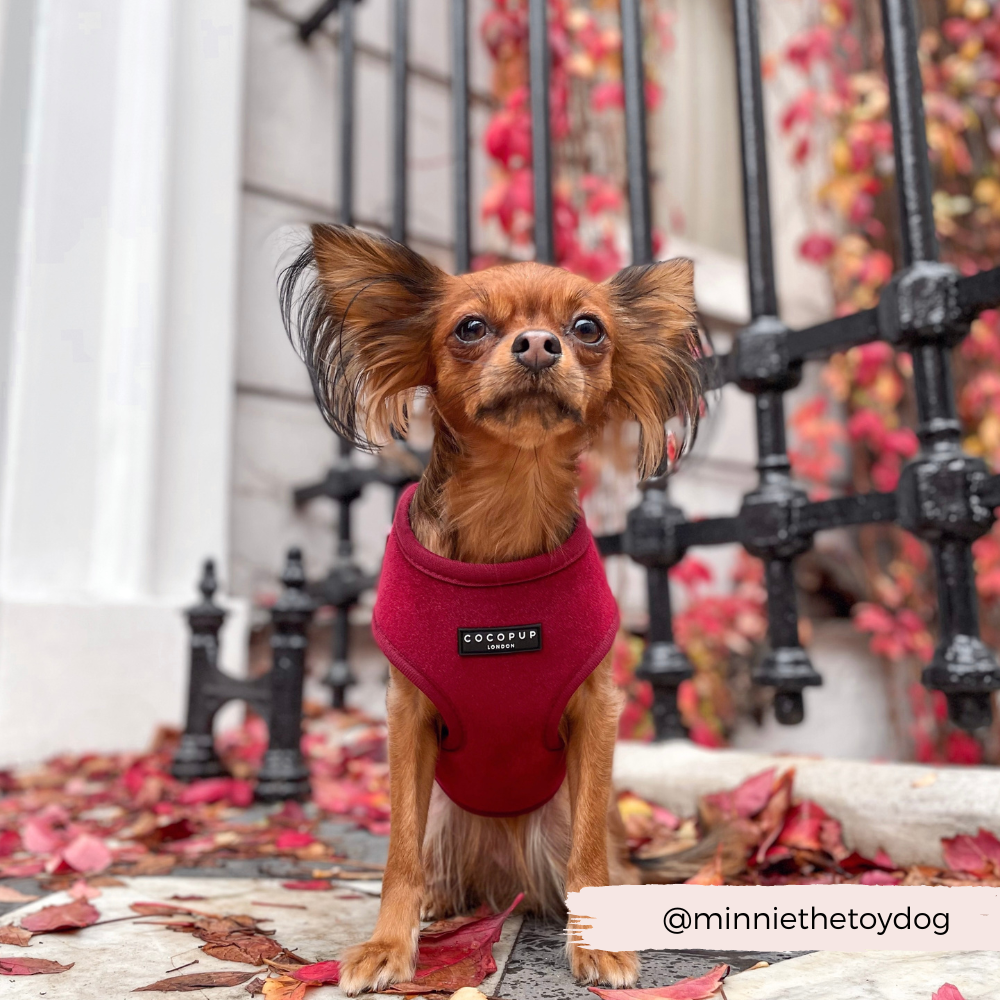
x: 113, y: 959
x: 538, y: 969
x: 872, y: 975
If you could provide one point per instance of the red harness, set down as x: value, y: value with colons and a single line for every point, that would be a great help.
x: 499, y: 649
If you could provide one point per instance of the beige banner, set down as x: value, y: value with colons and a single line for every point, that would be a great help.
x: 787, y: 917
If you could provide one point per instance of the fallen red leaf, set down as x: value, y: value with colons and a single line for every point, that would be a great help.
x: 884, y: 861
x: 10, y: 841
x: 38, y: 836
x: 710, y: 873
x: 879, y: 877
x: 209, y: 790
x: 803, y: 826
x: 771, y: 818
x: 81, y: 889
x: 309, y: 885
x: 687, y: 989
x: 327, y: 973
x: 9, y: 934
x: 196, y: 981
x: 948, y: 992
x: 161, y: 909
x: 291, y: 840
x: 87, y: 855
x: 31, y: 966
x: 746, y: 800
x: 66, y: 917
x: 456, y: 952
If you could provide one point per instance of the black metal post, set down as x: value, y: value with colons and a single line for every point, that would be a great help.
x: 347, y: 113
x: 765, y: 369
x: 284, y: 773
x: 652, y: 523
x: 460, y: 132
x: 195, y: 756
x: 939, y: 491
x: 539, y: 59
x: 636, y: 149
x: 208, y: 687
x: 400, y: 47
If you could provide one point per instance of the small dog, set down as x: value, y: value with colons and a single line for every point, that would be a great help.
x: 523, y: 365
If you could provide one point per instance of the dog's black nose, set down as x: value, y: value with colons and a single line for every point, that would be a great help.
x: 536, y: 349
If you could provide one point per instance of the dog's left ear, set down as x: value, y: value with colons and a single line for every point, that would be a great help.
x: 653, y: 367
x: 361, y: 309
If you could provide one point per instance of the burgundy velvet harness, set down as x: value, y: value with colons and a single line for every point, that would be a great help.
x: 499, y: 649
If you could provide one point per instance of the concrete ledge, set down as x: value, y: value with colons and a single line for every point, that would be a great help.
x: 903, y: 808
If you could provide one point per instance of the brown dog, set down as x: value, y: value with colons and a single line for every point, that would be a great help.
x: 523, y: 365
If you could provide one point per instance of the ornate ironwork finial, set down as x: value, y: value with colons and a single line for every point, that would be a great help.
x: 209, y: 583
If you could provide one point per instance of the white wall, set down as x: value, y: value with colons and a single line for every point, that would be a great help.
x: 119, y: 327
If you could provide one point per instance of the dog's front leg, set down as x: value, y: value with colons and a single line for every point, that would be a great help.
x: 390, y: 955
x: 592, y: 724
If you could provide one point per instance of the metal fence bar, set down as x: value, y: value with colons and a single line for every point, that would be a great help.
x: 400, y: 47
x: 541, y: 145
x: 939, y: 492
x: 763, y: 368
x: 460, y: 132
x: 636, y: 149
x: 347, y: 113
x: 664, y: 664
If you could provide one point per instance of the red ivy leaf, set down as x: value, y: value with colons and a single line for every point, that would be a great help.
x: 687, y: 989
x: 31, y: 966
x: 67, y: 917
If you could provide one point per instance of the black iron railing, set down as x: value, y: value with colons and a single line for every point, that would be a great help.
x: 944, y: 497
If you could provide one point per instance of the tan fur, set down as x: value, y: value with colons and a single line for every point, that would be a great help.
x: 500, y: 486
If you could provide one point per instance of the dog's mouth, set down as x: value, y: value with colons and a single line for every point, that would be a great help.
x: 547, y: 408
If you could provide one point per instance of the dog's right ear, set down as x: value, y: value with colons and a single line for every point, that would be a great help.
x: 361, y: 310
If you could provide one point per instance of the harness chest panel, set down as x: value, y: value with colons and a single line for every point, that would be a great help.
x: 499, y: 649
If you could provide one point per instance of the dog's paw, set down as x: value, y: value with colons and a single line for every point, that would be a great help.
x: 436, y: 908
x: 374, y: 965
x: 617, y: 969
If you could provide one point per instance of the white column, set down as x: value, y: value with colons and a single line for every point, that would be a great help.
x: 115, y: 468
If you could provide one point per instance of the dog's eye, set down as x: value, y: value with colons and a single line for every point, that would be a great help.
x: 588, y: 331
x: 470, y: 330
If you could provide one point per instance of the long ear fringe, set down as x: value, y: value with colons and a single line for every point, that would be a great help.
x: 681, y: 397
x: 357, y: 328
x: 658, y: 375
x: 313, y: 328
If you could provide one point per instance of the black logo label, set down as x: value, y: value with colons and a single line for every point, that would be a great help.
x: 508, y: 639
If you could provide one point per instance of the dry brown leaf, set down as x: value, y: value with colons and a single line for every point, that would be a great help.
x: 250, y: 949
x: 255, y: 986
x: 31, y: 967
x: 153, y: 864
x: 9, y: 934
x: 196, y: 981
x: 284, y: 988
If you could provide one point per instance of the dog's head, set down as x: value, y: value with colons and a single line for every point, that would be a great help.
x: 521, y: 354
